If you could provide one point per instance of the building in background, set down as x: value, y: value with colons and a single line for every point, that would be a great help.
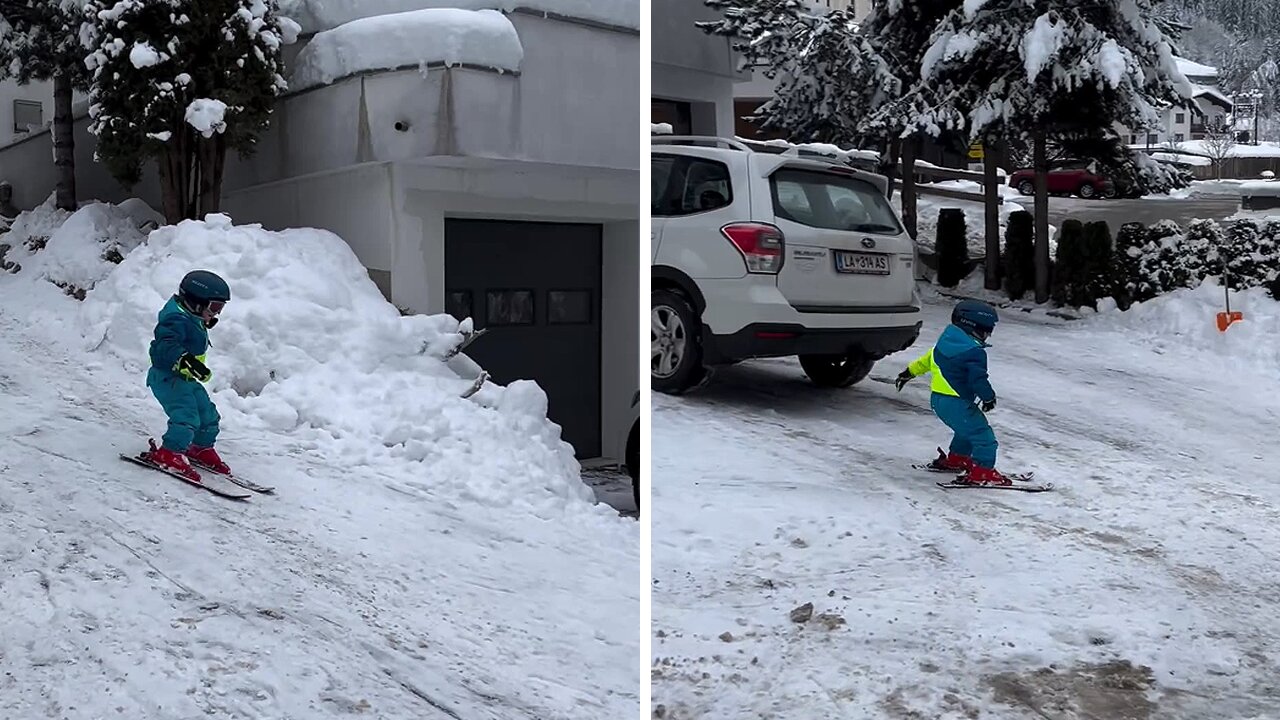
x: 693, y: 73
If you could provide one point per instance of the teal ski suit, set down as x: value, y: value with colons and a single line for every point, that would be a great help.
x: 193, y: 418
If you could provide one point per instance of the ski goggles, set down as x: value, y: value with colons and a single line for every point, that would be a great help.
x: 214, y: 307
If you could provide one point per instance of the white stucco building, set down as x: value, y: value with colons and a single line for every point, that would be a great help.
x: 510, y: 197
x: 693, y: 74
x: 1212, y: 107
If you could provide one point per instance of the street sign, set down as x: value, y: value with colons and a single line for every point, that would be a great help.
x: 975, y: 151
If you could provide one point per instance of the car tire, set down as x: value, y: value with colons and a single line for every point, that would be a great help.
x: 1026, y: 187
x: 836, y: 371
x: 675, y: 346
x: 633, y: 462
x: 1087, y: 191
x: 1110, y: 193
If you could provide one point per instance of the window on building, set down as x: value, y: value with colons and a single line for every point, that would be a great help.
x: 1153, y: 139
x: 1133, y: 139
x: 1179, y: 137
x: 677, y: 114
x: 1180, y: 118
x: 28, y: 115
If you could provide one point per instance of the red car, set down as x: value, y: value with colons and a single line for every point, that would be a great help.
x: 1066, y: 177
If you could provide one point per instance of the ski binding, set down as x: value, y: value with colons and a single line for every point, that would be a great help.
x: 144, y: 460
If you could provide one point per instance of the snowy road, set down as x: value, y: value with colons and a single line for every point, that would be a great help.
x: 353, y: 592
x: 1145, y: 586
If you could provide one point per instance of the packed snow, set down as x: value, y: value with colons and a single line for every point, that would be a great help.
x: 803, y: 569
x: 207, y: 116
x: 319, y: 15
x: 424, y: 555
x: 660, y: 128
x: 143, y: 55
x: 484, y: 38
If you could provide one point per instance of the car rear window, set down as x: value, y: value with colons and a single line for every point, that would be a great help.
x: 831, y: 201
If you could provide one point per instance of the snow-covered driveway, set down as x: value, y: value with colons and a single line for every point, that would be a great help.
x: 1146, y: 585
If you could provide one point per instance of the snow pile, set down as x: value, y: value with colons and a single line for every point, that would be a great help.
x: 143, y: 55
x: 1260, y: 188
x: 76, y: 251
x: 661, y: 128
x: 1185, y: 320
x: 483, y: 38
x: 308, y: 346
x: 320, y: 15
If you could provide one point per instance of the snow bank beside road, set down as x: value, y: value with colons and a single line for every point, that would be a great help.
x: 1185, y: 321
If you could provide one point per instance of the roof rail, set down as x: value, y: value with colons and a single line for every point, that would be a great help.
x: 704, y: 139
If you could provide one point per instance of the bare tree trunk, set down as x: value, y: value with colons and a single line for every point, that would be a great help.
x: 909, y: 151
x: 64, y: 142
x: 170, y: 186
x: 212, y: 155
x: 1041, y: 164
x: 991, y: 204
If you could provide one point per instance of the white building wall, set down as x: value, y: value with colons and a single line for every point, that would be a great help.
x: 690, y: 66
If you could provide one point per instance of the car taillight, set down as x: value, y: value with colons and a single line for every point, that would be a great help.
x: 761, y: 246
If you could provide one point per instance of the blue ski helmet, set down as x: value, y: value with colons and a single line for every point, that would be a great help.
x: 975, y: 317
x: 202, y: 290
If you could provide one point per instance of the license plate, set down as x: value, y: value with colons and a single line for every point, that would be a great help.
x: 862, y: 263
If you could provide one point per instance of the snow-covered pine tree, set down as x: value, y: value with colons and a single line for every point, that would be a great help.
x: 39, y: 42
x: 182, y: 82
x: 829, y: 79
x: 1030, y: 68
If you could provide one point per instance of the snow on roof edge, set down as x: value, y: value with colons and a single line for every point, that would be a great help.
x: 483, y: 38
x: 319, y: 15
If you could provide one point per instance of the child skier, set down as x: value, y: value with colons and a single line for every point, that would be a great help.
x: 958, y: 362
x: 178, y: 369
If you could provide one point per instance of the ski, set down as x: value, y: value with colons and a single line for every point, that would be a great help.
x: 246, y: 484
x: 475, y: 386
x: 1018, y: 477
x: 466, y: 340
x: 956, y: 485
x: 223, y: 492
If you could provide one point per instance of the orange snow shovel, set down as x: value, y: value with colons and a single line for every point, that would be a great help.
x: 1225, y: 319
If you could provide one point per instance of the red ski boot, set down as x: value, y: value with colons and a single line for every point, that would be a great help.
x: 208, y: 458
x: 172, y: 461
x: 952, y: 462
x: 984, y: 476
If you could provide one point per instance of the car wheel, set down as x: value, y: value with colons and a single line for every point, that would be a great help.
x: 1087, y: 191
x: 837, y: 371
x: 1026, y: 187
x: 675, y: 352
x: 633, y: 462
x: 1110, y: 193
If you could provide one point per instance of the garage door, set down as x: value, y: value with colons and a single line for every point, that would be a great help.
x: 536, y: 286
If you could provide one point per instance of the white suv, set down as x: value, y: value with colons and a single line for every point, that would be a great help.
x: 760, y: 252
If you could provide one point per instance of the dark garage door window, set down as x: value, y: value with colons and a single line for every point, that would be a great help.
x: 569, y: 307
x: 509, y: 307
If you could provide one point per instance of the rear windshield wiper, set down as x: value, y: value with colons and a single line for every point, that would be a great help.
x: 873, y: 227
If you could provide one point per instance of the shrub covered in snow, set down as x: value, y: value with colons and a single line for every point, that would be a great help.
x: 1127, y: 261
x: 1164, y: 258
x: 1019, y: 255
x: 1068, y: 265
x: 76, y: 250
x: 952, y: 247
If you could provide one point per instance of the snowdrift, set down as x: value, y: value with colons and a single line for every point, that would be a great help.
x: 309, y: 347
x: 1183, y: 321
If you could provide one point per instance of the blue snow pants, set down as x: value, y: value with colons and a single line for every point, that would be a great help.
x: 974, y: 437
x: 193, y: 419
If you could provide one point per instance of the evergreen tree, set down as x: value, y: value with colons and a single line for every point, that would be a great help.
x: 40, y: 42
x: 829, y: 78
x: 1035, y: 68
x: 181, y: 82
x: 1126, y: 262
